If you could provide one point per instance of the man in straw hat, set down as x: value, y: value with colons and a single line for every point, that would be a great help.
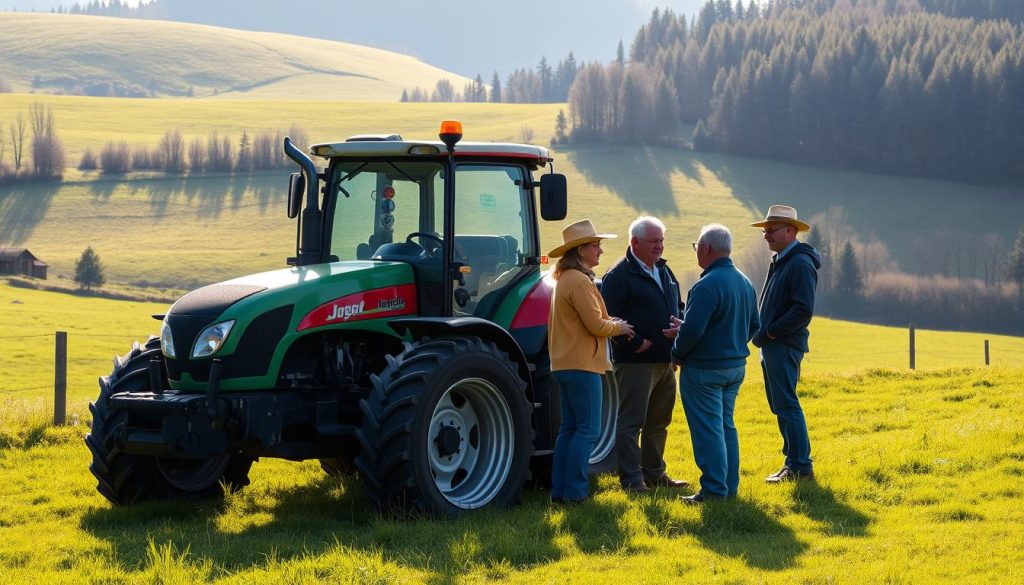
x: 787, y: 304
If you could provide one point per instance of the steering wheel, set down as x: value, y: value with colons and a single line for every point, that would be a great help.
x: 429, y: 236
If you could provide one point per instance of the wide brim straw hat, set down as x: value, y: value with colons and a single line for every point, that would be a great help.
x: 782, y: 214
x: 577, y: 234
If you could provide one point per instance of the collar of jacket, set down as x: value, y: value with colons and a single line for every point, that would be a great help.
x: 720, y: 263
x: 635, y: 265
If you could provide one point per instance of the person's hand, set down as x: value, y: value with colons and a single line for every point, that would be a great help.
x: 673, y: 327
x: 644, y: 346
x: 626, y: 329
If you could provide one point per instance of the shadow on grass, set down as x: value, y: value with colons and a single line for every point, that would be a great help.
x: 820, y: 504
x: 22, y: 207
x: 254, y: 526
x: 625, y: 170
x: 734, y: 528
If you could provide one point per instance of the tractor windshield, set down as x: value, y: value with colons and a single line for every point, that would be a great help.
x: 379, y: 202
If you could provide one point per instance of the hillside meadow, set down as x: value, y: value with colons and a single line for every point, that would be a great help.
x: 183, y: 231
x: 159, y: 58
x: 919, y: 481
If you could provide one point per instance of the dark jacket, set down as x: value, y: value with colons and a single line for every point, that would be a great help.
x: 720, y: 318
x: 787, y: 299
x: 631, y: 294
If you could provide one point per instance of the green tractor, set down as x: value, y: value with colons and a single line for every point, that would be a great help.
x: 406, y: 342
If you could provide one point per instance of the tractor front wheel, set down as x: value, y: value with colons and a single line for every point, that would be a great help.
x: 125, y: 478
x: 446, y: 429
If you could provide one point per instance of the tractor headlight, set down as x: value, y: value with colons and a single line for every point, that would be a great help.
x: 166, y: 339
x: 211, y: 339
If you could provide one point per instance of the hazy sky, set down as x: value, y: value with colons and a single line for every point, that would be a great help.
x: 464, y: 36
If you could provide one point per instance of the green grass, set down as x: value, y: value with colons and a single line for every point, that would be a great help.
x: 919, y: 481
x: 172, y: 58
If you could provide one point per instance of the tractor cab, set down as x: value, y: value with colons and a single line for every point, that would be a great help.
x: 463, y: 215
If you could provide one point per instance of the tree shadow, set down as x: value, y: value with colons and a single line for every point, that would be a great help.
x: 103, y: 188
x: 624, y: 170
x: 820, y: 504
x: 23, y: 207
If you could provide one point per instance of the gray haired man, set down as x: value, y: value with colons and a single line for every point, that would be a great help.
x: 641, y: 289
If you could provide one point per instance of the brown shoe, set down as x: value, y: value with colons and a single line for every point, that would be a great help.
x: 666, y: 481
x: 637, y: 487
x: 788, y: 474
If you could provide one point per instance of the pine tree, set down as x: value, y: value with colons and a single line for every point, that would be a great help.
x: 89, y: 270
x: 561, y: 125
x: 496, y: 88
x: 849, y: 282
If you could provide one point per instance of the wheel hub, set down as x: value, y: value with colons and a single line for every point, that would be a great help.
x: 448, y: 440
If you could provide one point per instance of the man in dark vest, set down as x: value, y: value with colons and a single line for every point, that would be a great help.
x: 641, y: 289
x: 786, y: 307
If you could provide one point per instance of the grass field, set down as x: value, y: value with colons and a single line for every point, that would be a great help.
x: 163, y: 58
x: 157, y: 230
x: 919, y: 481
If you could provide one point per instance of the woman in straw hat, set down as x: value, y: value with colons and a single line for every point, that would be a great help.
x: 578, y: 332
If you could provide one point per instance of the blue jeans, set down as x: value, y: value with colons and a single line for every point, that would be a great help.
x: 580, y: 397
x: 709, y: 400
x: 781, y: 366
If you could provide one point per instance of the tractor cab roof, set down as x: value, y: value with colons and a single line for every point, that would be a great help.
x: 390, y: 146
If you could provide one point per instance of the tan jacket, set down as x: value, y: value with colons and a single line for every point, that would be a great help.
x: 579, y: 326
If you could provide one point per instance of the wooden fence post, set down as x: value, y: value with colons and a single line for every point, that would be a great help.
x: 913, y: 350
x: 60, y: 378
x: 986, y: 352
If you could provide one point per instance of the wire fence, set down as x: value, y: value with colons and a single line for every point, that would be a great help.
x: 913, y: 353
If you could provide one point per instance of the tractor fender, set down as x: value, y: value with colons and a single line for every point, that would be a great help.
x: 419, y: 327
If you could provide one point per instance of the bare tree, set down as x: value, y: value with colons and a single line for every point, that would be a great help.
x: 171, y: 152
x: 526, y: 133
x: 115, y: 158
x: 196, y: 156
x: 18, y: 134
x: 48, y: 158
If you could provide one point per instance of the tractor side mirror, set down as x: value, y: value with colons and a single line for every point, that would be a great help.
x: 296, y: 189
x: 552, y: 197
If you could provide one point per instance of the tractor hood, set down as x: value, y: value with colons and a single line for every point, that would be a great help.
x: 260, y: 315
x: 301, y: 287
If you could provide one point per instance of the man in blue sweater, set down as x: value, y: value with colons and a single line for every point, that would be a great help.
x: 711, y: 345
x: 787, y: 304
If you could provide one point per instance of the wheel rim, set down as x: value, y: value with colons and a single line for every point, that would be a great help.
x: 193, y: 475
x: 605, y: 441
x: 471, y: 443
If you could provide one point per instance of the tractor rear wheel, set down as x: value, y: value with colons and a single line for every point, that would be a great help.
x: 125, y: 478
x: 446, y: 429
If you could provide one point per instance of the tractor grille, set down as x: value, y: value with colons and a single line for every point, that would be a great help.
x: 251, y: 357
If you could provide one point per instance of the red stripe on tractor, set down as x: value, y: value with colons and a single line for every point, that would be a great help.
x: 536, y: 307
x: 388, y: 301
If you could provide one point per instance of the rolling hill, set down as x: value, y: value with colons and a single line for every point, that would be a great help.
x: 112, y: 56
